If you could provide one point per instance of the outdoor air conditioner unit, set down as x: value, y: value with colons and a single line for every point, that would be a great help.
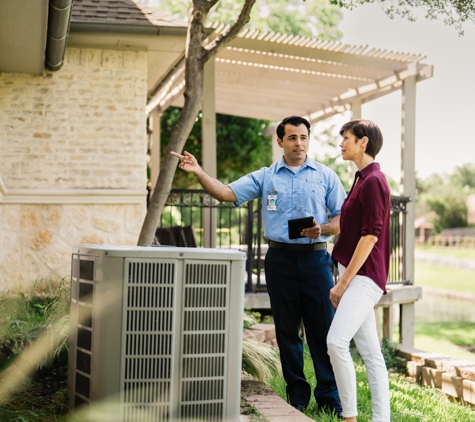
x: 156, y: 332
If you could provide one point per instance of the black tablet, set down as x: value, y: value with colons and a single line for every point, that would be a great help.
x: 297, y: 225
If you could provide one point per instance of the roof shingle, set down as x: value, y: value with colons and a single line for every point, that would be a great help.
x: 120, y: 11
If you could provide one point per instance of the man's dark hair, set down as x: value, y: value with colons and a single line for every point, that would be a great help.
x: 361, y: 128
x: 294, y: 121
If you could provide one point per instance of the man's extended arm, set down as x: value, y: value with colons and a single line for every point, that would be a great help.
x: 214, y: 187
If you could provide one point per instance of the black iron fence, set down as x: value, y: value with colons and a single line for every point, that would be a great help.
x: 192, y: 218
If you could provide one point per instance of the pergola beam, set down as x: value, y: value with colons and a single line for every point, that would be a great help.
x: 280, y: 74
x: 295, y: 86
x: 360, y: 60
x: 311, y: 65
x: 309, y: 100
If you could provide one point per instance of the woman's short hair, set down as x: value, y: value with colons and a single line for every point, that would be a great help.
x: 361, y: 128
x: 294, y: 121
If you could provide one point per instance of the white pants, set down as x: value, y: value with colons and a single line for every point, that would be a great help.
x: 355, y: 319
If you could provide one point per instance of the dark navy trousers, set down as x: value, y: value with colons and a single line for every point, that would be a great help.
x: 299, y: 286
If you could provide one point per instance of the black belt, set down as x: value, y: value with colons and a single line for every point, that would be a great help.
x: 294, y: 247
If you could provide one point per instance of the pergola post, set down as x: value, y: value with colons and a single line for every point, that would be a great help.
x: 356, y: 109
x: 155, y: 147
x: 276, y: 150
x: 356, y: 113
x: 408, y: 188
x: 208, y: 134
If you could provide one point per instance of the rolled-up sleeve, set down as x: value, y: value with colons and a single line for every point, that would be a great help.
x: 375, y: 201
x: 248, y: 187
x: 335, y: 195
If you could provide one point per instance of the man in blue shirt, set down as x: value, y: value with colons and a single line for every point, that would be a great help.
x: 299, y: 272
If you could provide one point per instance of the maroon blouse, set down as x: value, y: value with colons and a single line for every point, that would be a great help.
x: 366, y: 211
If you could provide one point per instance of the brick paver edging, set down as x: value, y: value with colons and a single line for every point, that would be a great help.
x: 268, y: 403
x: 456, y: 378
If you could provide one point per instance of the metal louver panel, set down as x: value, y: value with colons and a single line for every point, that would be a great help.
x: 147, y: 341
x: 205, y: 315
x: 82, y: 274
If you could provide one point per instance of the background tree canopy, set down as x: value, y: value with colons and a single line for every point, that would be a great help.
x: 316, y: 18
x: 443, y: 197
x: 453, y: 12
x: 241, y: 146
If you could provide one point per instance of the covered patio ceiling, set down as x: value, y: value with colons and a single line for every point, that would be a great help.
x: 270, y: 76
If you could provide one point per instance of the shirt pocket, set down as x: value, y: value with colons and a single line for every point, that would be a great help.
x: 313, y: 198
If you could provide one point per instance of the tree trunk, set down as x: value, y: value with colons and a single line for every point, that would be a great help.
x: 196, y: 56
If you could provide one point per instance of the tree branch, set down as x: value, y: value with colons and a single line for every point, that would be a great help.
x: 222, y: 39
x: 209, y: 4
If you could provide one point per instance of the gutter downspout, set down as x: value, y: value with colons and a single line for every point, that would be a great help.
x: 59, y: 18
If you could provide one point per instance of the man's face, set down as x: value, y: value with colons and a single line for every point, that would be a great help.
x: 295, y: 144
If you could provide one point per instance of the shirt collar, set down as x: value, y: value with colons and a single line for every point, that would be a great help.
x: 367, y: 170
x: 308, y: 162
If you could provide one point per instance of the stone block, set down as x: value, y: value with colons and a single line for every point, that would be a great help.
x: 109, y: 225
x: 259, y: 335
x: 452, y: 385
x: 414, y: 370
x: 466, y: 370
x: 40, y: 240
x: 431, y: 377
x: 269, y: 330
x: 469, y: 391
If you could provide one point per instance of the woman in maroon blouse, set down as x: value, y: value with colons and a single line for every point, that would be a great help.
x: 362, y: 257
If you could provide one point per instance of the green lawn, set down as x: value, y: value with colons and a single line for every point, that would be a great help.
x: 447, y: 278
x: 447, y: 338
x: 463, y: 253
x: 446, y: 326
x: 409, y: 402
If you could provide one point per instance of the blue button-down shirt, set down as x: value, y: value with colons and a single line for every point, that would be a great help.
x: 313, y: 191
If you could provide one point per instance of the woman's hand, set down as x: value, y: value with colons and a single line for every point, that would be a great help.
x: 337, y: 292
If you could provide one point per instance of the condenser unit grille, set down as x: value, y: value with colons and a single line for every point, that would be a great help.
x: 148, y: 348
x: 205, y: 314
x: 146, y: 413
x: 148, y: 344
x: 149, y: 296
x: 151, y: 273
x: 156, y: 332
x: 203, y: 411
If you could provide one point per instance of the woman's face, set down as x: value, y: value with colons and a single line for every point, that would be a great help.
x: 351, y: 147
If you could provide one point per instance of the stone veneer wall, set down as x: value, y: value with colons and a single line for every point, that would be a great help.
x: 81, y: 129
x: 37, y: 240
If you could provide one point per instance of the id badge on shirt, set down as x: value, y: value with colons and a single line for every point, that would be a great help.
x: 271, y: 202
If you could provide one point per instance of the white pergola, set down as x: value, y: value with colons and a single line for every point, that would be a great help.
x: 271, y: 76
